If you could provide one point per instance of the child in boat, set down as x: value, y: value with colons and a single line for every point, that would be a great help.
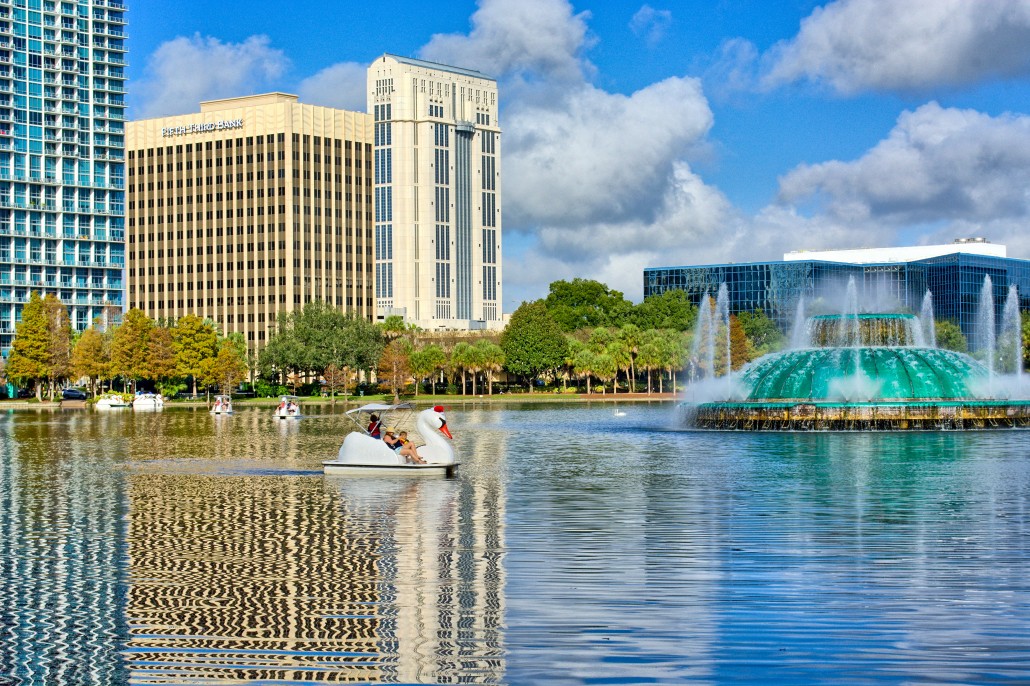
x: 408, y: 448
x: 374, y: 426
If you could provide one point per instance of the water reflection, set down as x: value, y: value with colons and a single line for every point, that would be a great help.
x: 575, y: 547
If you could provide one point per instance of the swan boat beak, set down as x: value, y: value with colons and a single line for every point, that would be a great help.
x: 444, y: 430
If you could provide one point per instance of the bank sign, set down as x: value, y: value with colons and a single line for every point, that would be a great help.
x: 224, y: 125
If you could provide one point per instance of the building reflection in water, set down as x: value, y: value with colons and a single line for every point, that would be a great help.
x: 60, y: 547
x: 305, y: 578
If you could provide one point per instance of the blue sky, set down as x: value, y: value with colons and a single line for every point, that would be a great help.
x: 666, y: 133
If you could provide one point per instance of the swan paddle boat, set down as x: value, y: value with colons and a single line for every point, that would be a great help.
x: 112, y: 401
x: 289, y: 407
x: 148, y: 401
x: 223, y: 405
x: 363, y: 454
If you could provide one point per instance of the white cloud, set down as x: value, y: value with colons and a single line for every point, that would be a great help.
x: 597, y: 157
x: 342, y: 85
x: 539, y: 39
x: 651, y: 24
x: 887, y: 45
x: 936, y: 165
x: 184, y: 71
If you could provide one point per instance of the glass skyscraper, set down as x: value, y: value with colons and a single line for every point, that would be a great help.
x: 62, y: 173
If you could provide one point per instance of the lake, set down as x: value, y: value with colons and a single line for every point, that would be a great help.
x: 575, y: 547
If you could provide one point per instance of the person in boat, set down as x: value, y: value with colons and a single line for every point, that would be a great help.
x: 291, y: 407
x: 409, y: 450
x: 375, y: 426
x: 282, y: 405
x: 218, y: 405
x: 405, y: 450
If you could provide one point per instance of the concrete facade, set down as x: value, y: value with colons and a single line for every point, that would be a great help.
x: 437, y: 194
x: 251, y: 207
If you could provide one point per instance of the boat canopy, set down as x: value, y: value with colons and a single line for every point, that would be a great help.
x: 381, y: 407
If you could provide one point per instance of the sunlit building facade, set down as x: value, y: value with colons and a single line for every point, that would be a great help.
x: 253, y: 206
x: 62, y: 173
x: 437, y: 194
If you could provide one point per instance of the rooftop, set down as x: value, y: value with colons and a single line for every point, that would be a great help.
x: 425, y: 64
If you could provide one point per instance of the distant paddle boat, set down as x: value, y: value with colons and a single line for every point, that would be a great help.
x: 148, y: 402
x: 363, y: 454
x: 223, y: 405
x: 289, y: 407
x: 112, y: 401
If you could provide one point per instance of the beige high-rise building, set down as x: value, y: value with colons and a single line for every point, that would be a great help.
x: 437, y: 193
x: 254, y: 206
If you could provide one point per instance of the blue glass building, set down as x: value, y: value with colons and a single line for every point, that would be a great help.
x: 62, y: 173
x: 775, y: 287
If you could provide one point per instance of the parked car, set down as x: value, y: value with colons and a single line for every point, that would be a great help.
x: 73, y: 394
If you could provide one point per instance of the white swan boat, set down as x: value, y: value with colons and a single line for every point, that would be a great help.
x: 363, y: 454
x: 148, y: 401
x: 223, y: 405
x: 112, y: 401
x: 289, y: 407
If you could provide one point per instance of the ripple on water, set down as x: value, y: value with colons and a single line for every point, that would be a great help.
x: 575, y: 547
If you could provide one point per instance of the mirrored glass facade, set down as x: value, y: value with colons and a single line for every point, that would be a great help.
x: 775, y: 287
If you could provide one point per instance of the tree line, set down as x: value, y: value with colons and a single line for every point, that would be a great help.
x: 583, y: 335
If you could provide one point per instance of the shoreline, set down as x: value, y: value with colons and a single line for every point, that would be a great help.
x: 358, y: 401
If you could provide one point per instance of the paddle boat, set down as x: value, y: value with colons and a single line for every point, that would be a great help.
x: 289, y: 407
x: 363, y: 454
x: 112, y: 401
x: 223, y: 405
x: 148, y: 402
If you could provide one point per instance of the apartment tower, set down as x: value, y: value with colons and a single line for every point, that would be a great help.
x: 251, y: 207
x: 62, y: 139
x: 437, y: 194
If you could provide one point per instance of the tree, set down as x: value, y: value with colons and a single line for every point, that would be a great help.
x: 161, y: 363
x: 605, y: 368
x: 42, y: 344
x: 585, y: 303
x: 338, y: 377
x: 949, y: 336
x: 669, y: 310
x: 394, y: 367
x: 630, y: 335
x: 463, y: 357
x: 583, y: 364
x: 425, y: 363
x: 129, y: 346
x: 650, y: 356
x: 532, y: 342
x: 229, y: 368
x: 491, y: 360
x: 762, y: 333
x: 195, y: 341
x: 90, y: 358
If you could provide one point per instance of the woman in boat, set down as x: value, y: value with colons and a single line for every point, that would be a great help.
x: 402, y: 447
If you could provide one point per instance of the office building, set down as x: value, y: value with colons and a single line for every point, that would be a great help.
x: 889, y: 278
x: 437, y: 194
x: 253, y: 206
x: 62, y: 139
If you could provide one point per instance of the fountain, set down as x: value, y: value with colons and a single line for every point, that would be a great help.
x: 869, y: 371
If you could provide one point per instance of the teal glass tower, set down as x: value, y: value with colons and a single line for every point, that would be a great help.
x: 62, y: 169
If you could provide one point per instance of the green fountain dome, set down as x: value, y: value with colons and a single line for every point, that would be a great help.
x: 863, y: 374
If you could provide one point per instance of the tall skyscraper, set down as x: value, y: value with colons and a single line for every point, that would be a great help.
x: 253, y: 206
x: 62, y: 174
x: 437, y: 193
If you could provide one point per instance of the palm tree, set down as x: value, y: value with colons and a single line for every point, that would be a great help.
x: 649, y: 357
x: 491, y: 357
x: 622, y: 358
x: 584, y: 365
x: 463, y: 358
x: 631, y: 335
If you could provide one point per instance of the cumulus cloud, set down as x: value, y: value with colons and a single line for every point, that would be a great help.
x: 937, y: 164
x: 342, y: 85
x: 650, y: 24
x: 886, y: 45
x: 539, y: 39
x: 184, y: 71
x: 597, y: 157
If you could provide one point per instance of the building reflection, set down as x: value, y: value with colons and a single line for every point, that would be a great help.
x: 60, y: 549
x: 304, y: 578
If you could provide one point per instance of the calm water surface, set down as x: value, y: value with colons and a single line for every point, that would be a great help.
x: 576, y: 547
